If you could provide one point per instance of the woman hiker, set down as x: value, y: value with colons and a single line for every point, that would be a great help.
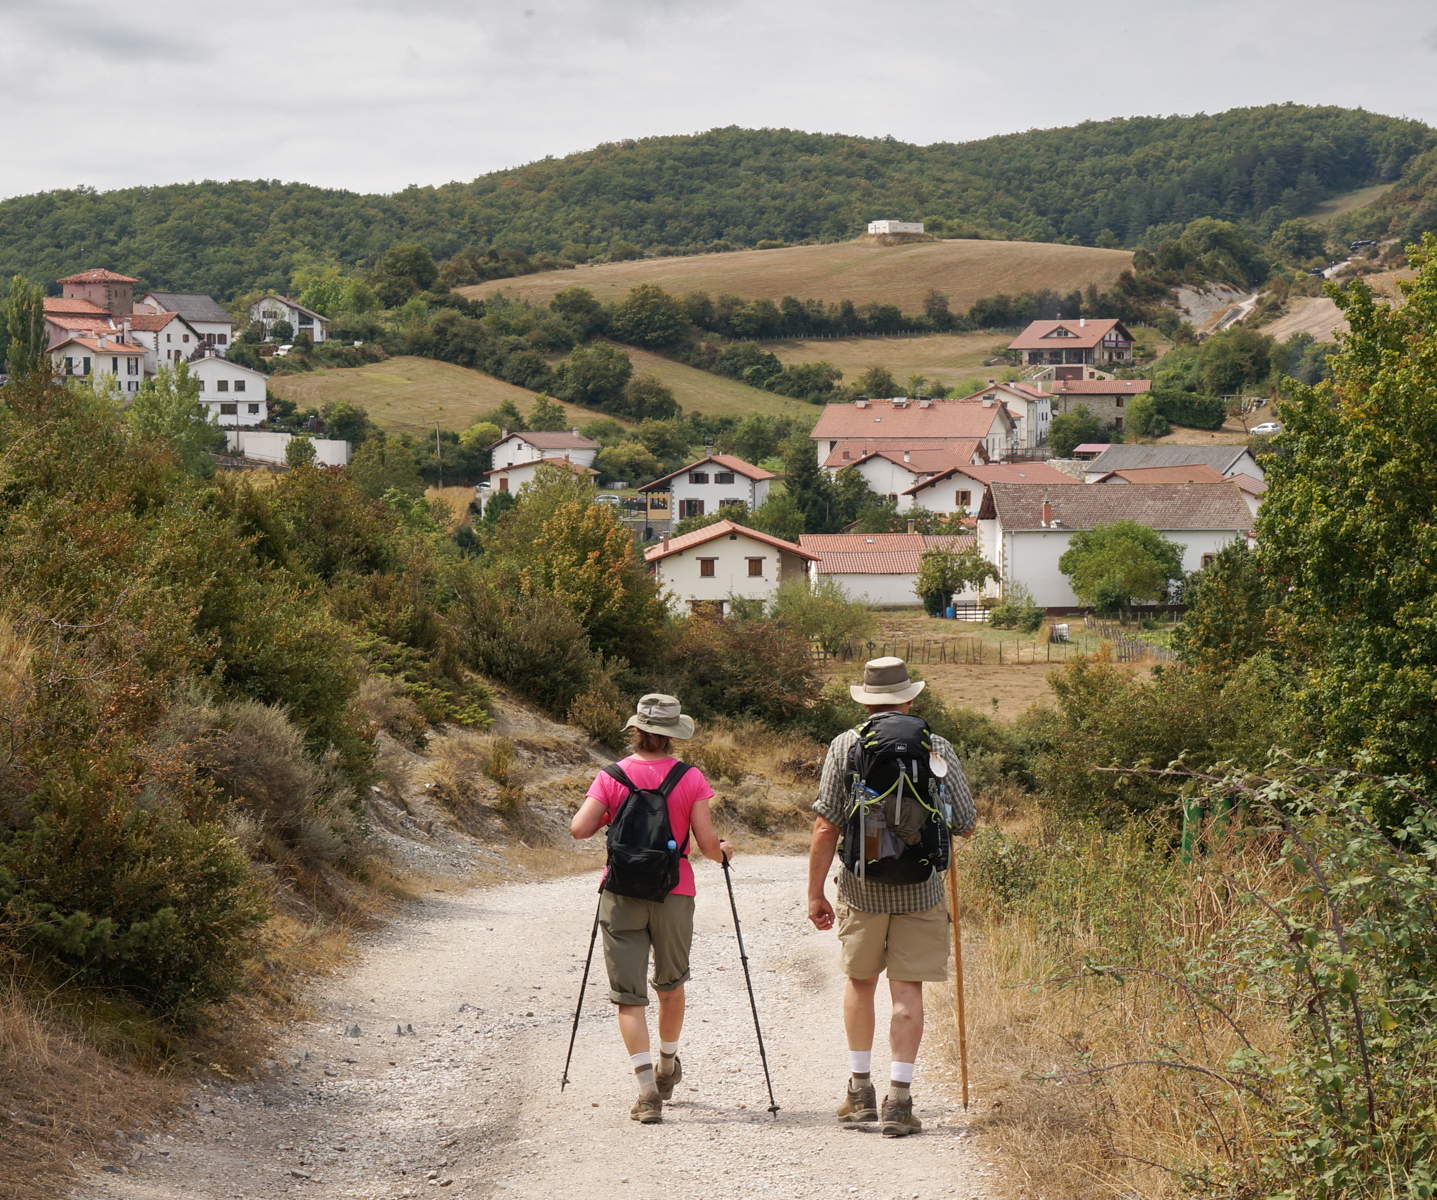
x: 632, y: 926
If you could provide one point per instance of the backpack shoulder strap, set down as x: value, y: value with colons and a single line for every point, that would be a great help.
x: 614, y: 771
x: 671, y: 780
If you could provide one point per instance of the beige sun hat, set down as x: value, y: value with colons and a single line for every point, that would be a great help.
x: 660, y: 714
x: 885, y: 681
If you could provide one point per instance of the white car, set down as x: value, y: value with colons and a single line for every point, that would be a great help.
x: 1266, y: 427
x: 607, y: 499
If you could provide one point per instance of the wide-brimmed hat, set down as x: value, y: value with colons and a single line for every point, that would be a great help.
x: 885, y: 681
x: 661, y: 715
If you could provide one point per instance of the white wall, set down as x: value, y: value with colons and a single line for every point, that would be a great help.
x: 288, y: 312
x: 224, y: 382
x: 942, y: 497
x: 264, y: 446
x: 679, y: 573
x: 514, y: 449
x: 887, y: 478
x: 713, y: 495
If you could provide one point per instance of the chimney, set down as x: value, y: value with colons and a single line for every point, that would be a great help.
x: 125, y: 325
x: 992, y: 382
x: 576, y: 431
x: 1082, y: 321
x: 503, y: 433
x: 907, y: 456
x: 1047, y: 513
x: 912, y: 525
x: 666, y: 543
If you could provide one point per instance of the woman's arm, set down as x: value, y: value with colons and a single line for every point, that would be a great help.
x: 592, y: 816
x: 701, y: 825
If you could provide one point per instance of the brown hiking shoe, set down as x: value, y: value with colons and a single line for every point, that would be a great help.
x: 647, y: 1110
x: 665, y: 1083
x: 861, y: 1105
x: 898, y: 1118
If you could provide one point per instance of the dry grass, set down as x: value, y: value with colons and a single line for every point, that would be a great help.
x: 458, y: 498
x: 1329, y: 210
x: 763, y: 782
x: 965, y: 270
x: 713, y: 395
x: 951, y: 359
x: 409, y: 395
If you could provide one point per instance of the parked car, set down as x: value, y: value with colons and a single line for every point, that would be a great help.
x: 1266, y: 427
x: 1316, y: 270
x: 608, y: 498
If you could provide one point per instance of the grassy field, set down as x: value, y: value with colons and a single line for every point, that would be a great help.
x: 410, y: 394
x: 713, y: 395
x: 947, y: 358
x: 1329, y: 210
x: 965, y: 270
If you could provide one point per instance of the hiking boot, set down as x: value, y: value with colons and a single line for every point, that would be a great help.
x: 647, y: 1110
x: 665, y: 1083
x: 898, y: 1118
x: 860, y: 1105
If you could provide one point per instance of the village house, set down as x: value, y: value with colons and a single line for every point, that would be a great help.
x: 960, y: 489
x: 514, y: 448
x: 270, y: 310
x: 891, y: 474
x: 1251, y: 489
x: 1024, y: 528
x: 108, y: 291
x: 703, y: 569
x: 234, y: 395
x: 1030, y: 407
x: 1106, y: 399
x: 214, y: 326
x: 1074, y: 343
x: 880, y: 569
x: 705, y: 487
x: 1225, y: 460
x: 166, y: 338
x: 902, y: 424
x: 512, y: 478
x: 92, y: 358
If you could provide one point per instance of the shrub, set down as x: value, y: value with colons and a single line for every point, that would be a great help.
x: 823, y: 612
x: 599, y: 714
x: 1190, y: 409
x: 385, y: 703
x: 1016, y: 610
x: 733, y: 668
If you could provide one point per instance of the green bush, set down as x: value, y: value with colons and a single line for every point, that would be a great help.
x: 1190, y: 409
x: 732, y: 668
x: 822, y: 611
x: 1017, y: 611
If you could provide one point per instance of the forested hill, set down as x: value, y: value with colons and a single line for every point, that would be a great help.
x: 1109, y: 182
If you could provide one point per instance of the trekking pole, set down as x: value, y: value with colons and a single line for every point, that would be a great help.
x: 743, y: 956
x: 583, y: 983
x: 958, y: 984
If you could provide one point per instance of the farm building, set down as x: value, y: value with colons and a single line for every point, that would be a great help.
x: 960, y: 489
x: 1024, y: 528
x: 880, y: 569
x: 1225, y: 460
x: 514, y: 448
x: 1106, y: 399
x: 895, y: 226
x: 704, y: 568
x: 899, y: 424
x: 1074, y: 343
x: 705, y: 487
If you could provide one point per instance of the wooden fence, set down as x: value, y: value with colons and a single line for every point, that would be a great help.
x: 977, y: 650
x: 1127, y: 646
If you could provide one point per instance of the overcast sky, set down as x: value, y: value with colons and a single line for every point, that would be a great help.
x: 377, y: 94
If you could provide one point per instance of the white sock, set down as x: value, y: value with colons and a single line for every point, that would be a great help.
x: 900, y: 1080
x: 668, y: 1051
x: 644, y: 1069
x: 860, y: 1065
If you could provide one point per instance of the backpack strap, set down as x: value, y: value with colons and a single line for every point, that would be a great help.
x: 671, y: 781
x: 614, y: 771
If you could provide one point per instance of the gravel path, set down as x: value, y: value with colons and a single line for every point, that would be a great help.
x: 468, y: 1104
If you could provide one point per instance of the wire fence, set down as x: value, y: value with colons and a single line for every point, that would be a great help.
x: 979, y: 650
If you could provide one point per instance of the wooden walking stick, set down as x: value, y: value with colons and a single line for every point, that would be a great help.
x: 958, y: 982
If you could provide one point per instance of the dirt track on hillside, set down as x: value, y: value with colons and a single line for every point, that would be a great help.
x: 468, y: 1105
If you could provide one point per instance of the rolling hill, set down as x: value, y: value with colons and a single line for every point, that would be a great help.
x: 965, y: 271
x: 1109, y: 181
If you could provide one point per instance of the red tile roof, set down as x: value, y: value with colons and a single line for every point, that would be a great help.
x: 1189, y: 473
x: 1101, y: 387
x: 62, y: 304
x: 727, y: 461
x: 553, y: 462
x: 97, y: 275
x: 562, y: 439
x: 1042, y: 335
x: 877, y: 553
x: 1163, y: 506
x: 110, y: 347
x: 939, y: 453
x: 1000, y: 473
x: 717, y: 530
x: 881, y: 419
x: 149, y: 322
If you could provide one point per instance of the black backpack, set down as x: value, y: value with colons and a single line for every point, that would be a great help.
x: 896, y: 831
x: 641, y: 863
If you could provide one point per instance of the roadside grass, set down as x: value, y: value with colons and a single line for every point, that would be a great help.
x: 409, y: 395
x: 965, y: 270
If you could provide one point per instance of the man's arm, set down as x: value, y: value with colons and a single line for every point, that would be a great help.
x: 820, y: 858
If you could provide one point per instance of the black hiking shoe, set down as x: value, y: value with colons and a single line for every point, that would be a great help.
x: 860, y: 1105
x: 665, y: 1083
x: 898, y: 1118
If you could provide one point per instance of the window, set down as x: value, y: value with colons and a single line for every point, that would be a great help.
x: 1117, y: 422
x: 69, y: 366
x: 706, y: 567
x: 1207, y: 560
x: 846, y: 456
x: 168, y: 338
x: 269, y: 314
x: 134, y: 386
x: 209, y: 339
x: 1120, y: 401
x: 963, y: 498
x: 305, y: 320
x: 892, y: 497
x: 692, y: 508
x: 114, y: 366
x: 755, y: 567
x: 229, y: 410
x: 698, y: 477
x: 222, y: 338
x: 504, y: 483
x: 724, y: 477
x: 201, y: 382
x: 132, y: 367
x: 658, y: 502
x: 184, y: 337
x: 254, y: 408
x: 87, y: 365
x: 222, y: 385
x: 239, y: 385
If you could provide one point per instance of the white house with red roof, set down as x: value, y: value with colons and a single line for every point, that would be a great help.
x: 897, y: 424
x: 892, y: 473
x: 513, y: 478
x: 703, y: 569
x: 960, y: 489
x: 705, y: 486
x: 1082, y: 342
x: 92, y: 358
x: 1030, y: 407
x: 234, y: 395
x: 514, y: 448
x: 880, y: 569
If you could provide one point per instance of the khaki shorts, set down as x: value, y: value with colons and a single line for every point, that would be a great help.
x: 630, y: 928
x: 912, y: 946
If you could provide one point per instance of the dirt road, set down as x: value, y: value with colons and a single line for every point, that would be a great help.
x: 468, y: 1104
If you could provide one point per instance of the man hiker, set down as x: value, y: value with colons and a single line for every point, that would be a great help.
x: 892, y: 791
x: 653, y: 803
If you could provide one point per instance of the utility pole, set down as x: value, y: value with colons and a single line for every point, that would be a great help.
x: 439, y: 455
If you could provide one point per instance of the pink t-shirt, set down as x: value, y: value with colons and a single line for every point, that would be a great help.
x: 692, y: 788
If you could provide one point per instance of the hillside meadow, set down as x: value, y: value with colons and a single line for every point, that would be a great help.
x: 964, y: 270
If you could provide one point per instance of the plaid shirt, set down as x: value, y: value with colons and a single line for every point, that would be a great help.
x: 832, y: 805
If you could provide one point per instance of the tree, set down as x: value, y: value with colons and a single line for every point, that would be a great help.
x: 820, y: 610
x: 168, y: 406
x: 547, y: 415
x: 646, y: 397
x: 629, y: 460
x: 1346, y: 532
x: 604, y: 430
x: 479, y: 436
x: 650, y: 317
x: 1145, y: 420
x: 1227, y: 617
x: 1071, y: 429
x: 1298, y: 240
x: 383, y: 463
x: 281, y: 331
x: 669, y: 440
x: 594, y: 376
x: 404, y: 271
x: 27, y: 351
x: 1110, y: 566
x: 877, y: 382
x: 780, y: 516
x: 942, y: 572
x: 578, y: 307
x: 811, y: 487
x: 345, y: 421
x: 299, y: 452
x: 935, y: 308
x: 853, y: 496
